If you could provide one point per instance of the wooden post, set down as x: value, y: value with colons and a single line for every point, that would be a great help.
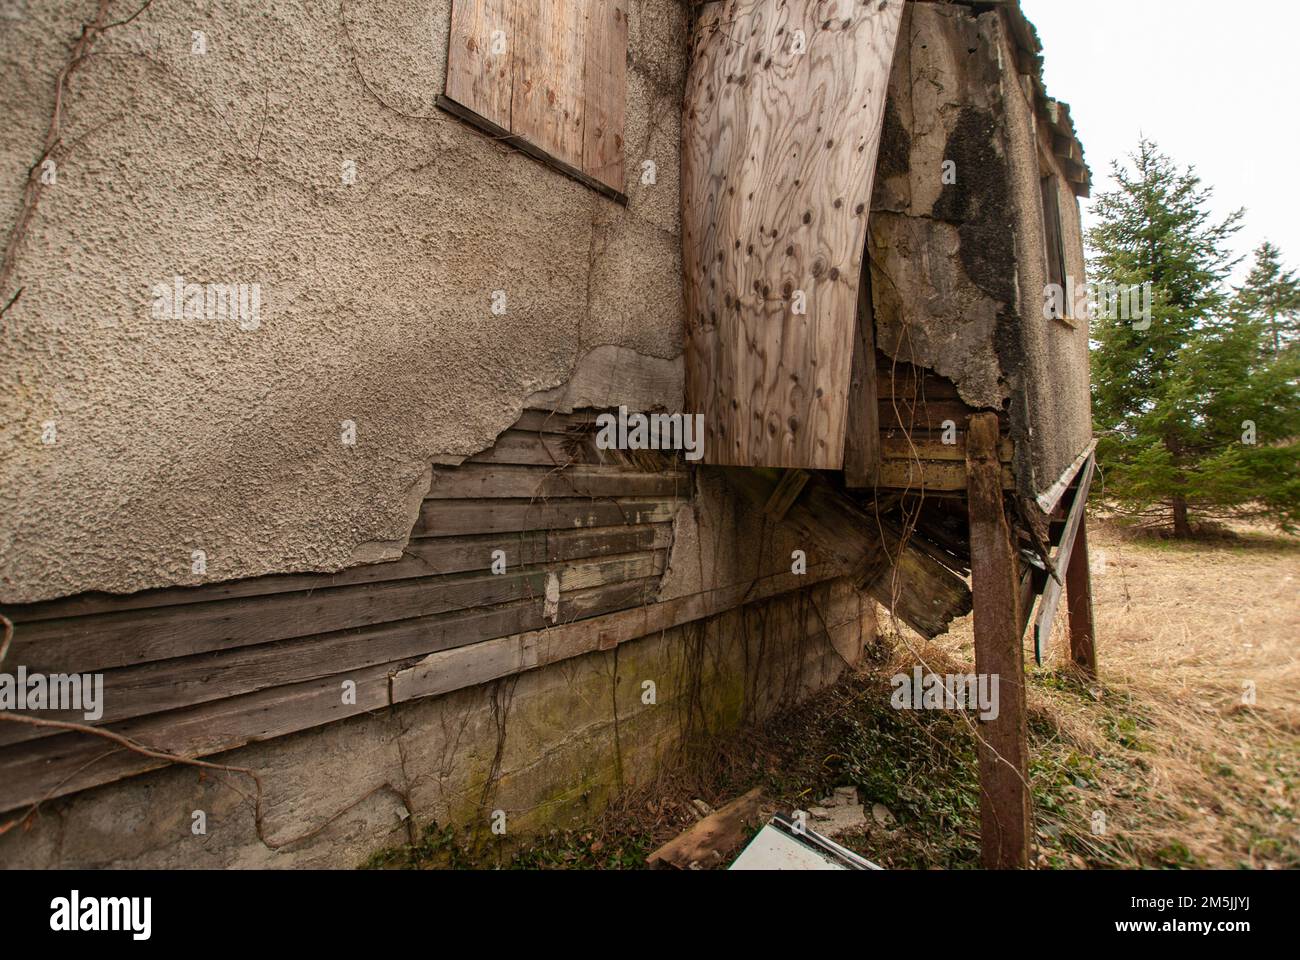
x: 1078, y: 586
x: 1003, y: 752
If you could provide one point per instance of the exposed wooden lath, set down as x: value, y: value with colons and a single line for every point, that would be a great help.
x: 201, y: 670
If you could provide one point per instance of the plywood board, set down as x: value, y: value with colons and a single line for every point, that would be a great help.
x: 605, y: 92
x: 784, y: 107
x: 546, y: 106
x: 480, y: 57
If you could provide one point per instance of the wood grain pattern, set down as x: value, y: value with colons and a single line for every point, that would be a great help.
x: 605, y: 92
x: 546, y: 103
x: 779, y: 154
x: 478, y: 77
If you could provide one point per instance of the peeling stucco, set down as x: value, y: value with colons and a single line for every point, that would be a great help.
x: 182, y: 435
x: 957, y: 252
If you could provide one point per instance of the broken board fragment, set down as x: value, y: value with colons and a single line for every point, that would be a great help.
x: 709, y: 841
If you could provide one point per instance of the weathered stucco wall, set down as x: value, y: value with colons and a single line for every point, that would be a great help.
x: 226, y: 167
x: 957, y: 246
x: 1054, y: 395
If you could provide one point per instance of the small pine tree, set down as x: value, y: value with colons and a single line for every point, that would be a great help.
x: 1271, y: 295
x: 1197, y: 412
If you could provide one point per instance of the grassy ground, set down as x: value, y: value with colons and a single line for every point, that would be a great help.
x: 1185, y: 772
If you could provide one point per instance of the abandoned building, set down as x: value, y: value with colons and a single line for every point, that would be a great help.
x: 311, y: 317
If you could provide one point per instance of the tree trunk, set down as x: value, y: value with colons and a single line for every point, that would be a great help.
x: 1182, y: 529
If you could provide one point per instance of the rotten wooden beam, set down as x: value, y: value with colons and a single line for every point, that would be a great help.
x: 1078, y: 585
x: 1005, y: 818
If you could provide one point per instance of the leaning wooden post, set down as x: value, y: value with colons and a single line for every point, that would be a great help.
x: 995, y: 583
x: 1078, y: 586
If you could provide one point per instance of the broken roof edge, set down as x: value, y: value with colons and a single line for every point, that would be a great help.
x: 1066, y: 146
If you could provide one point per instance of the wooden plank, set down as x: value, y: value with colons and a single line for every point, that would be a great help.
x: 480, y: 57
x: 548, y: 421
x: 605, y: 92
x: 1078, y: 581
x: 930, y: 475
x: 923, y: 416
x: 712, y: 838
x: 540, y: 449
x: 862, y: 435
x: 455, y: 669
x: 67, y: 762
x: 507, y: 481
x: 104, y: 642
x: 1003, y: 748
x: 1061, y: 559
x: 786, y: 493
x: 420, y: 559
x: 908, y: 382
x: 546, y: 106
x: 440, y: 518
x: 926, y: 448
x: 779, y: 156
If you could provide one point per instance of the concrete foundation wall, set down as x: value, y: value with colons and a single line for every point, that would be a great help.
x: 548, y: 747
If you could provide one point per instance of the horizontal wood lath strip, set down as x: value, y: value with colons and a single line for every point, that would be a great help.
x: 930, y: 475
x: 421, y: 559
x: 441, y: 673
x: 502, y: 481
x: 450, y: 517
x: 117, y: 640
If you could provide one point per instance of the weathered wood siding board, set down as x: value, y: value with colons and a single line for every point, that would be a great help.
x: 785, y: 101
x: 916, y: 406
x: 422, y: 558
x: 203, y: 669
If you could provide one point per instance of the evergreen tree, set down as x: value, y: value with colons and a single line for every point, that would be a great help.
x: 1197, y: 413
x: 1272, y: 296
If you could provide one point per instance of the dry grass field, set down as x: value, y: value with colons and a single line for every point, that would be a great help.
x: 1186, y: 769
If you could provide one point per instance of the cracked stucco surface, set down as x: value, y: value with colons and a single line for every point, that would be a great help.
x: 175, y: 436
x: 958, y: 269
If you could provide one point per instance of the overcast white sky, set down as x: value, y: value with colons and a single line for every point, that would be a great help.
x: 1215, y: 84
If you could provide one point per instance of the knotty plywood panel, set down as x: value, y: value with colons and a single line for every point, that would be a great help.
x: 779, y: 154
x: 547, y: 103
x: 480, y: 57
x: 604, y: 91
